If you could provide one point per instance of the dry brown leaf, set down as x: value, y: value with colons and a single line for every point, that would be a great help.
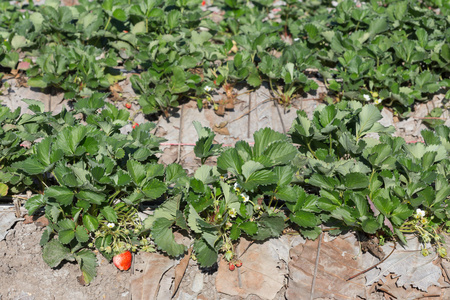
x: 146, y: 286
x: 221, y: 128
x: 336, y: 264
x: 390, y: 287
x: 260, y: 274
x: 28, y: 219
x: 23, y: 65
x: 180, y: 269
x: 116, y: 92
x: 42, y: 221
x: 220, y: 111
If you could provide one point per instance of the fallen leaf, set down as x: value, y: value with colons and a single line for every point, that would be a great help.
x: 180, y: 269
x: 336, y: 264
x: 410, y: 265
x: 260, y: 273
x: 42, y: 221
x: 391, y: 288
x: 116, y: 92
x: 146, y: 286
x: 28, y: 219
x: 23, y: 65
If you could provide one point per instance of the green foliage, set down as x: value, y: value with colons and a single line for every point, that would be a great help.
x: 90, y: 178
x: 396, y: 53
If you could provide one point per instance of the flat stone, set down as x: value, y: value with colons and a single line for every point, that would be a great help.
x: 185, y: 296
x: 197, y: 283
x: 7, y: 220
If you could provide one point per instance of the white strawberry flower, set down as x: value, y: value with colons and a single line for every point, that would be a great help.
x: 110, y: 225
x: 378, y: 101
x: 419, y: 213
x: 208, y: 89
x: 237, y: 187
x: 245, y: 197
x: 232, y: 212
x: 366, y: 97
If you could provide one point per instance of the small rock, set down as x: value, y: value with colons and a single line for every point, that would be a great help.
x: 197, y: 283
x: 388, y: 117
x: 186, y: 296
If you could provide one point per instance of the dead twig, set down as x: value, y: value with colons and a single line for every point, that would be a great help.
x: 430, y: 118
x: 311, y: 296
x: 250, y: 110
x: 381, y: 261
x: 179, y: 134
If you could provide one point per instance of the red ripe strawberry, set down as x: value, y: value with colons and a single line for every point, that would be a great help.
x: 215, y: 82
x: 135, y: 125
x: 123, y: 261
x: 203, y: 3
x: 128, y: 105
x: 239, y: 264
x: 125, y: 31
x: 232, y: 267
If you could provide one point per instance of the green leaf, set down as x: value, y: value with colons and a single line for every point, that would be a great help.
x: 31, y: 166
x: 305, y: 219
x: 120, y: 14
x: 192, y: 218
x: 81, y: 234
x: 230, y: 161
x: 311, y: 234
x: 377, y: 26
x: 109, y: 213
x: 154, y: 189
x: 249, y: 228
x: 166, y: 210
x: 136, y: 171
x: 88, y: 264
x: 90, y: 222
x: 61, y: 194
x: 269, y: 226
x: 164, y: 239
x: 323, y: 182
x: 91, y: 197
x: 263, y: 138
x: 205, y: 174
x: 34, y: 203
x: 66, y: 236
x: 251, y: 167
x: 370, y: 226
x: 200, y: 38
x: 280, y: 152
x: 368, y: 116
x: 66, y: 224
x: 206, y: 256
x: 174, y: 172
x: 3, y: 189
x: 356, y: 181
x: 54, y: 253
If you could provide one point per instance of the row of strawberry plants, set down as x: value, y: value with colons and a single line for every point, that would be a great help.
x: 396, y: 53
x: 91, y: 178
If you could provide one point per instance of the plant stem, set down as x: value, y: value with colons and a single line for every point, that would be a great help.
x: 311, y: 150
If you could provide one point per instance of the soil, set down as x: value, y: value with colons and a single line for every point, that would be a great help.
x: 25, y: 275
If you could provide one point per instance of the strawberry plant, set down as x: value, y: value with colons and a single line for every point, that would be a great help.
x: 385, y: 179
x: 93, y: 176
x: 234, y: 198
